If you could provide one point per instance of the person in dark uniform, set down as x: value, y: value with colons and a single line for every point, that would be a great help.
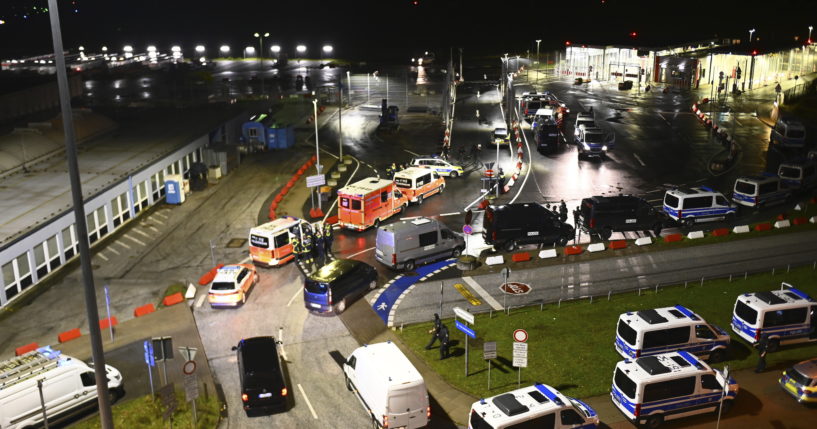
x: 328, y: 236
x: 762, y: 345
x: 563, y: 211
x: 319, y: 245
x: 307, y: 244
x: 297, y: 248
x: 435, y: 331
x: 444, y: 341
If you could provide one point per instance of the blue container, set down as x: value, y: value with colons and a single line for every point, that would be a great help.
x: 174, y: 194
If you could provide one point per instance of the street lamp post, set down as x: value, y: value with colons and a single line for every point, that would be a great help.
x: 260, y: 38
x: 348, y: 88
x: 750, y: 35
x: 317, y: 148
x: 538, y: 61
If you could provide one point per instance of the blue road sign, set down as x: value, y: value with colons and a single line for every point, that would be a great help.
x: 468, y: 331
x: 149, y: 358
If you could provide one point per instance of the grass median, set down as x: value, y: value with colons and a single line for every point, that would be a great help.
x: 571, y: 345
x: 146, y: 413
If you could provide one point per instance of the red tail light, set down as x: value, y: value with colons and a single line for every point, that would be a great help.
x: 592, y: 222
x: 428, y: 412
x: 284, y: 391
x: 394, y: 259
x: 385, y: 422
x: 757, y: 334
x: 680, y: 212
x: 493, y: 235
x: 330, y: 297
x: 638, y: 353
x: 637, y: 410
x: 244, y: 397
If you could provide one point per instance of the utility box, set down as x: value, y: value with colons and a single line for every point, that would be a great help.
x: 174, y: 189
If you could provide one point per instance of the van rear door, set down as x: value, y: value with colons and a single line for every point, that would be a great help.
x: 408, y: 407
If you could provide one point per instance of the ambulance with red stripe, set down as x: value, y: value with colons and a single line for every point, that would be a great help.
x: 271, y: 243
x: 368, y: 202
x: 418, y: 183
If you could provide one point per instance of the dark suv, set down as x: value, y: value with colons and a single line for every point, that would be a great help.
x: 603, y: 215
x: 509, y: 225
x: 263, y: 387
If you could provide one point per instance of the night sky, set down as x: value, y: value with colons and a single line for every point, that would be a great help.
x: 396, y: 29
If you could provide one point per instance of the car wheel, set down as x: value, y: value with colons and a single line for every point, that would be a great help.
x: 454, y: 174
x: 563, y: 241
x: 341, y: 306
x: 243, y: 298
x: 440, y: 189
x: 688, y: 222
x: 774, y: 345
x: 510, y: 246
x: 653, y: 422
x: 730, y: 217
x: 606, y: 233
x: 373, y: 285
x: 409, y: 265
x: 716, y: 356
x: 456, y: 252
x: 348, y: 383
x: 726, y: 406
x: 419, y: 200
x: 656, y: 229
x: 377, y: 223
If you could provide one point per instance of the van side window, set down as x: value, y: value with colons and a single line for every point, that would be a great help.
x: 703, y: 331
x: 352, y: 361
x: 784, y: 317
x: 88, y: 379
x: 708, y: 381
x: 768, y: 187
x: 697, y: 202
x: 542, y: 422
x: 669, y: 389
x: 241, y: 275
x: 422, y: 180
x: 428, y: 238
x: 666, y: 337
x: 280, y: 240
x: 571, y: 417
x: 721, y: 201
x: 384, y: 196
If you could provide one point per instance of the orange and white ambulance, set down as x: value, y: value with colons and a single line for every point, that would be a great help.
x: 418, y: 183
x: 270, y: 243
x: 368, y: 202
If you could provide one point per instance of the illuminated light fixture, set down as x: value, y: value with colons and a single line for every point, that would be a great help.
x: 104, y: 49
x: 128, y: 48
x: 327, y: 48
x: 151, y: 48
x: 224, y: 49
x: 81, y: 48
x: 300, y: 48
x: 275, y: 48
x: 176, y: 48
x: 199, y: 48
x: 250, y: 49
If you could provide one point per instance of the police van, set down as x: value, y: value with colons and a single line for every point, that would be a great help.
x: 786, y: 316
x: 650, y: 332
x: 537, y: 406
x: 798, y: 174
x: 788, y: 133
x: 419, y: 183
x: 651, y: 389
x: 759, y: 191
x: 701, y: 204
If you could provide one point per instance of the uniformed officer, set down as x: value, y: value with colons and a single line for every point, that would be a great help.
x: 762, y: 348
x: 297, y: 248
x: 435, y: 331
x: 319, y: 244
x: 307, y: 244
x: 563, y: 211
x: 444, y: 342
x: 328, y: 236
x: 393, y: 169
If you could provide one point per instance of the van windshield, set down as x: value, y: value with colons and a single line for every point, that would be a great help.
x: 671, y: 201
x: 790, y: 172
x: 406, y: 400
x: 624, y: 383
x: 477, y: 422
x: 315, y: 287
x: 626, y: 333
x: 748, y: 314
x: 745, y: 187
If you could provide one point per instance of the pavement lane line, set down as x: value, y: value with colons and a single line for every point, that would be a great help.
x: 298, y: 292
x: 200, y: 301
x: 134, y: 239
x: 413, y: 153
x: 161, y: 215
x: 308, y: 404
x: 664, y: 118
x: 639, y: 159
x: 102, y: 255
x: 362, y: 251
x: 450, y: 214
x: 141, y: 232
x: 112, y: 249
x: 487, y: 297
x: 123, y: 244
x: 655, y: 200
x: 158, y: 221
x: 154, y: 229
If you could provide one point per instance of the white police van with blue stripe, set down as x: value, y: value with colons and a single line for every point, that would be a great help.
x: 662, y: 330
x: 701, y: 204
x: 668, y: 386
x: 760, y: 191
x: 786, y: 316
x: 537, y: 406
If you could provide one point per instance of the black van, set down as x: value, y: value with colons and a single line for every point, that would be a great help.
x: 263, y: 387
x: 335, y: 285
x: 548, y: 138
x: 509, y: 225
x: 603, y: 215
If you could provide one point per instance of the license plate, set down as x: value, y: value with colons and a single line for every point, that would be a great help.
x: 265, y: 395
x: 312, y: 304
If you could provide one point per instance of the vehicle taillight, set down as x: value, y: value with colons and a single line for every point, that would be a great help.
x: 592, y: 222
x: 637, y: 411
x: 428, y: 412
x: 330, y: 296
x: 493, y: 235
x: 244, y: 397
x: 394, y: 259
x: 284, y: 391
x: 385, y: 421
x: 680, y: 213
x: 757, y: 334
x: 638, y: 353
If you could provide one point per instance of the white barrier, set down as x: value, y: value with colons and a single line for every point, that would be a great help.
x: 695, y: 234
x: 595, y: 247
x: 813, y: 219
x: 190, y: 293
x: 494, y: 260
x: 740, y: 229
x: 643, y: 241
x: 782, y: 224
x: 549, y: 253
x: 798, y: 207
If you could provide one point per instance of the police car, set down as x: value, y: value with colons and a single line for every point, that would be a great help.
x: 650, y: 332
x: 668, y: 386
x: 441, y: 166
x: 701, y: 204
x: 500, y: 136
x: 231, y: 285
x: 539, y: 406
x: 800, y: 381
x: 785, y: 316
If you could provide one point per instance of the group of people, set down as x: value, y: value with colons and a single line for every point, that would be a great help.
x: 309, y: 245
x: 392, y: 169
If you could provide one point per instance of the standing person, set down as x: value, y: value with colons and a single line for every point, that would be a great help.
x: 444, y: 342
x: 297, y: 247
x: 762, y: 347
x: 307, y: 244
x: 328, y: 236
x: 563, y: 211
x: 319, y: 244
x: 445, y: 152
x: 576, y: 214
x: 434, y: 331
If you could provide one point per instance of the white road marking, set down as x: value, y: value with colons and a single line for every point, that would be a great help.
x: 161, y: 215
x: 362, y: 251
x: 158, y: 221
x: 154, y: 229
x: 655, y: 200
x: 111, y: 248
x: 488, y: 298
x: 134, y: 240
x: 639, y: 160
x: 415, y: 154
x: 298, y: 292
x: 123, y: 244
x: 450, y: 214
x: 141, y: 232
x: 308, y: 404
x: 200, y: 301
x: 665, y: 119
x: 102, y: 255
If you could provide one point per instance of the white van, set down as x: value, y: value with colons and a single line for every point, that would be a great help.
x: 405, y: 244
x: 759, y: 191
x: 788, y: 133
x: 388, y: 386
x: 798, y: 175
x: 651, y: 332
x: 419, y: 183
x: 786, y: 316
x: 537, y: 406
x: 69, y: 386
x: 701, y: 204
x: 668, y: 386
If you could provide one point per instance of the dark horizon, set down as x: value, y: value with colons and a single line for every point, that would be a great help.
x: 398, y: 29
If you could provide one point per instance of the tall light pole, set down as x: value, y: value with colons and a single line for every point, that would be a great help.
x: 103, y: 398
x: 538, y: 61
x: 317, y: 148
x: 260, y: 38
x: 750, y: 35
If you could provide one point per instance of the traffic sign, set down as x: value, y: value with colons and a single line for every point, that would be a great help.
x: 465, y: 329
x: 189, y: 367
x: 515, y: 288
x: 520, y: 355
x: 520, y: 335
x: 189, y: 353
x: 464, y: 315
x: 191, y: 387
x: 168, y: 396
x: 489, y: 350
x: 316, y: 180
x: 162, y: 348
x: 149, y: 357
x: 467, y: 229
x: 520, y: 362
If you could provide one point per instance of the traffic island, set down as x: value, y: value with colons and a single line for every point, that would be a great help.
x: 467, y: 263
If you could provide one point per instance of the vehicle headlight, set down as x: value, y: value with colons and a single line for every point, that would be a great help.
x: 604, y: 148
x: 586, y: 146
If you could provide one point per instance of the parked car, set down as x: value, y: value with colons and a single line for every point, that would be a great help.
x: 601, y: 215
x: 231, y: 285
x: 800, y: 381
x: 509, y: 225
x: 441, y: 166
x: 407, y: 243
x: 334, y: 286
x: 263, y: 386
x: 500, y: 136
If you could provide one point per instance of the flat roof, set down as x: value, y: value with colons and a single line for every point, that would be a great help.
x: 31, y: 199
